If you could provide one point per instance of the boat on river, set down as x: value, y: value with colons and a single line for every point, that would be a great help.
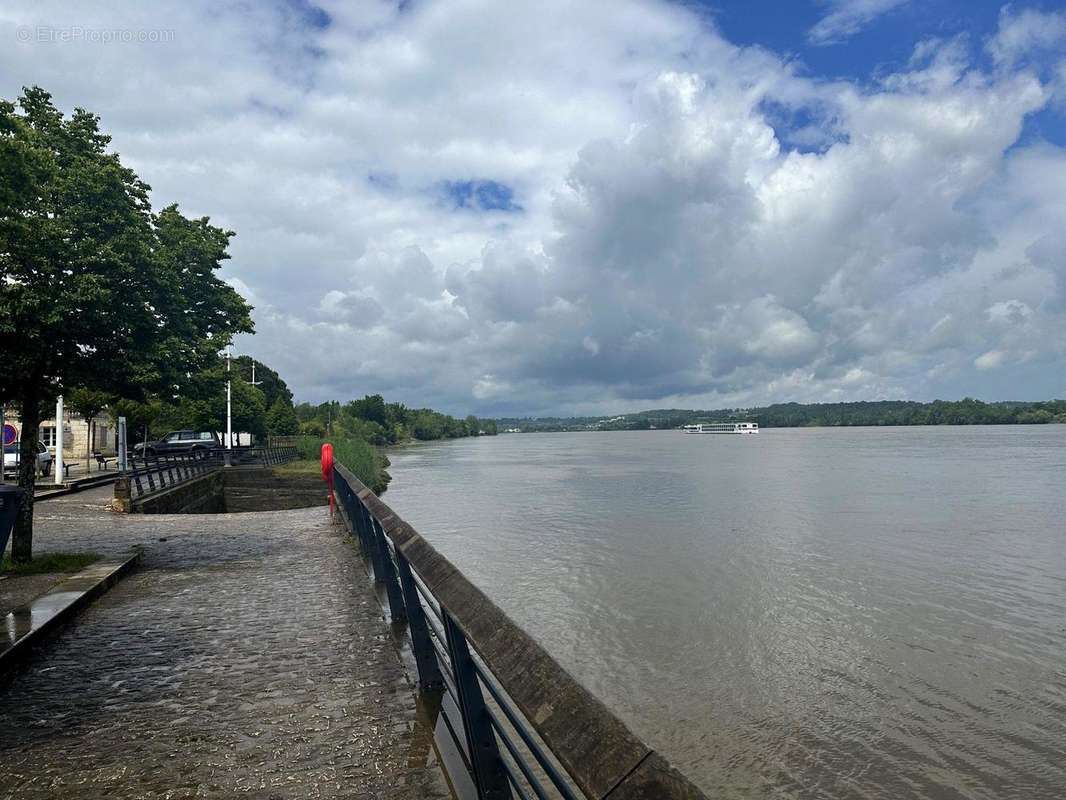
x: 722, y: 427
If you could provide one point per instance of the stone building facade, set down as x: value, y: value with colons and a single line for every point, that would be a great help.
x: 79, y: 437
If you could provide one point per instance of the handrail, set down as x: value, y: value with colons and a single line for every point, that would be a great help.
x: 596, y: 749
x: 158, y: 472
x: 167, y: 470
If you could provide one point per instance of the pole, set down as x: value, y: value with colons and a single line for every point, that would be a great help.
x: 229, y: 412
x: 57, y: 476
x: 122, y: 445
x: 3, y: 445
x: 229, y: 406
x: 253, y: 382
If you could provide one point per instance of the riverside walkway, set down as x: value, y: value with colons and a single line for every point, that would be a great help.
x: 247, y: 657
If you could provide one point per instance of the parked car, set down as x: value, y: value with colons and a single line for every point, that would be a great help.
x: 179, y: 442
x: 11, y: 459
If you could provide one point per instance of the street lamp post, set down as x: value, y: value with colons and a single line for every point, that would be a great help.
x: 229, y: 411
x: 57, y: 464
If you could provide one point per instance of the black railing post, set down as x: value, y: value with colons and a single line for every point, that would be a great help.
x: 359, y: 525
x: 371, y: 543
x: 136, y: 475
x: 490, y: 775
x: 429, y: 677
x: 388, y: 570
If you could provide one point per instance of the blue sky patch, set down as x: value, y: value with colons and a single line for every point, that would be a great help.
x: 881, y: 45
x: 310, y: 14
x: 481, y: 195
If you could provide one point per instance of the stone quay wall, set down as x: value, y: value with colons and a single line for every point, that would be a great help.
x: 201, y: 495
x: 234, y: 490
x: 259, y: 489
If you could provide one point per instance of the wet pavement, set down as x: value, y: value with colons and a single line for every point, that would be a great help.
x: 248, y: 656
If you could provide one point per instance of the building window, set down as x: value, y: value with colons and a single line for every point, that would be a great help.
x: 48, y: 435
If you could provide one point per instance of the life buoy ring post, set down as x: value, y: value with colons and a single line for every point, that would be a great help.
x: 327, y: 471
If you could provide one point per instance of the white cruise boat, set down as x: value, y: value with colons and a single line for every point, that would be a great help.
x: 722, y: 427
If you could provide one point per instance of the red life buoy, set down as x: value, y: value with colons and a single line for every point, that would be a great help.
x: 327, y: 471
x: 327, y: 462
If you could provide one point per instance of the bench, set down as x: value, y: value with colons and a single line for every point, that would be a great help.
x: 102, y: 460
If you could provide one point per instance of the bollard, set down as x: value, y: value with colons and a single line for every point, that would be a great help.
x: 122, y: 454
x: 123, y: 501
x: 10, y: 500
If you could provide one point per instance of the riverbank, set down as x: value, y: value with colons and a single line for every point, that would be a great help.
x: 368, y: 462
x: 883, y: 413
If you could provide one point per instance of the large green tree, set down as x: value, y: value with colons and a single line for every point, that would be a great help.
x: 95, y: 290
x: 269, y: 382
x: 199, y: 403
x: 248, y: 410
x: 281, y: 419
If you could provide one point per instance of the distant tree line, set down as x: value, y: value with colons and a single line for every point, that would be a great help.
x: 902, y: 412
x: 796, y: 415
x: 359, y: 429
x: 379, y: 423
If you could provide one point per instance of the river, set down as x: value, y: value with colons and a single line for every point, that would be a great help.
x: 806, y: 613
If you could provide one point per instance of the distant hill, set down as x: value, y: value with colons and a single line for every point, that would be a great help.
x: 798, y: 415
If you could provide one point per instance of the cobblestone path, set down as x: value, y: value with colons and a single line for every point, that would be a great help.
x: 247, y: 657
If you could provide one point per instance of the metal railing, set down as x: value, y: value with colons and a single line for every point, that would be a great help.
x: 270, y: 455
x: 152, y: 473
x: 522, y: 726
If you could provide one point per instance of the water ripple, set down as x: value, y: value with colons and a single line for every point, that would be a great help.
x: 852, y: 613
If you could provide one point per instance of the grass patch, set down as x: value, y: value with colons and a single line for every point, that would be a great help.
x: 50, y: 562
x: 301, y: 467
x: 367, y: 462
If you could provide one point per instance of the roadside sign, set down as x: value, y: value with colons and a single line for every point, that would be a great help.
x: 10, y: 434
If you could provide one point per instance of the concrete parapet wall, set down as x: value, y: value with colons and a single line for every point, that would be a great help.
x: 201, y: 495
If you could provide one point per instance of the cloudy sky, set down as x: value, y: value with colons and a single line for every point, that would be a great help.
x: 509, y: 207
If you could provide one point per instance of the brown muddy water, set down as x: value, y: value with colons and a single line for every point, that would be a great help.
x: 806, y: 613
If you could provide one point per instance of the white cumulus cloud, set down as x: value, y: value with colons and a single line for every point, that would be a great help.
x: 563, y: 206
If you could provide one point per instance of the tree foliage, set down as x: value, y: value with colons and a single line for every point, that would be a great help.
x: 95, y: 290
x: 281, y: 419
x: 267, y: 380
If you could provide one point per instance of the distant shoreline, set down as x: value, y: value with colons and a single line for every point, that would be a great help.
x: 781, y: 427
x: 874, y: 414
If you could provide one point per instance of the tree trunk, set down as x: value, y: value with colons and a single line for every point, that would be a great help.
x: 22, y: 536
